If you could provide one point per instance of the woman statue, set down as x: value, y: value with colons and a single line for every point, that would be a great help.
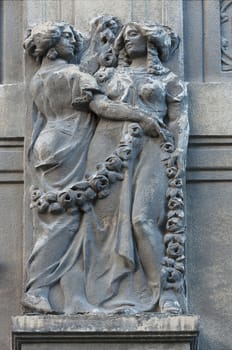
x: 62, y: 131
x: 59, y: 147
x: 135, y: 164
x: 131, y: 193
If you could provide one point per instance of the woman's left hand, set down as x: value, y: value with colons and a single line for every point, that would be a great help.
x: 177, y: 160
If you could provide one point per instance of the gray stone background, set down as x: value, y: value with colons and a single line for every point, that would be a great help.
x: 209, y: 176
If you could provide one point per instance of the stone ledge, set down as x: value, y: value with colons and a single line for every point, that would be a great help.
x: 180, y: 331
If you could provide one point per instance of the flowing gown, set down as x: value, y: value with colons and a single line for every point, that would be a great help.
x: 113, y: 263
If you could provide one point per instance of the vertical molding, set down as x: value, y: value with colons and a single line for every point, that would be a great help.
x: 146, y: 11
x: 172, y: 16
x: 212, y: 40
x: 11, y: 50
x: 131, y: 10
x: 67, y: 11
x: 40, y: 11
x: 193, y: 40
x: 1, y: 37
x: 73, y: 11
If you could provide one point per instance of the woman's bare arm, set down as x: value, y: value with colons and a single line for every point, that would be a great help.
x: 113, y: 110
x: 121, y: 111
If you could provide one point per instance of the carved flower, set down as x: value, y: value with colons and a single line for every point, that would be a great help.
x: 124, y: 152
x: 172, y: 274
x: 42, y: 205
x: 84, y: 198
x: 81, y: 185
x: 35, y: 194
x: 83, y: 195
x: 114, y: 163
x: 175, y: 203
x: 173, y: 192
x: 56, y: 208
x: 178, y: 213
x: 169, y: 262
x: 171, y: 278
x: 175, y: 249
x: 103, y: 74
x: 108, y: 59
x: 171, y: 172
x: 168, y: 147
x: 113, y: 176
x: 51, y: 197
x: 175, y: 183
x: 175, y: 225
x: 67, y: 199
x: 100, y: 184
x: 171, y: 237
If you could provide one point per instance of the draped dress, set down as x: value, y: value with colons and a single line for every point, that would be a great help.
x: 113, y: 263
x: 58, y: 160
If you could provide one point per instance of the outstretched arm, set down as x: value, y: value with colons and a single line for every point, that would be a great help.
x: 121, y: 111
x: 114, y: 110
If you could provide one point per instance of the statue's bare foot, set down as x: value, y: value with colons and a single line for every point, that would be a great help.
x: 37, y: 303
x: 171, y: 307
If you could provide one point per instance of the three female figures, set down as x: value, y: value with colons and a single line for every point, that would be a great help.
x: 107, y: 159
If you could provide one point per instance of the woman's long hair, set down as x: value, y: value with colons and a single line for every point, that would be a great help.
x: 42, y: 38
x: 162, y: 42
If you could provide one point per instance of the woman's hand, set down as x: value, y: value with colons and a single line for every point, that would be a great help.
x: 150, y: 126
x: 177, y: 160
x: 153, y: 126
x: 82, y: 102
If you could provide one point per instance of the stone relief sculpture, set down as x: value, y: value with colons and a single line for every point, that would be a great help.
x: 107, y: 161
x: 226, y: 49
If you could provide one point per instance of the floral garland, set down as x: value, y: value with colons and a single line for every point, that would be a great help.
x: 82, y: 195
x: 172, y: 272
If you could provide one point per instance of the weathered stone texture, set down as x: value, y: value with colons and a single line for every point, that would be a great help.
x: 209, y: 163
x: 145, y: 331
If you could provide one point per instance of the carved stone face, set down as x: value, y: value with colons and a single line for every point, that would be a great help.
x: 135, y: 42
x: 66, y: 45
x: 112, y: 25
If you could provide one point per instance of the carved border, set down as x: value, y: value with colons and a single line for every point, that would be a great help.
x: 11, y: 160
x: 150, y: 329
x: 189, y: 337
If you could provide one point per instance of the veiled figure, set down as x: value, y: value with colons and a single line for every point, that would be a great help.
x: 111, y: 261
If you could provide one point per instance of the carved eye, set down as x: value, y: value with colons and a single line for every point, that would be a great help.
x: 133, y: 33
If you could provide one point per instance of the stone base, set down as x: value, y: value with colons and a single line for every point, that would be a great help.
x: 99, y: 332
